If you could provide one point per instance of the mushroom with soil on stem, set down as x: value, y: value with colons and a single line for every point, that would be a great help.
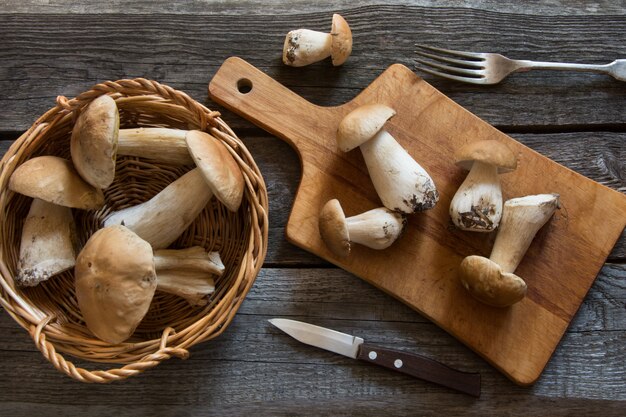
x: 163, y: 218
x: 492, y: 281
x: 477, y: 204
x: 97, y: 140
x: 401, y: 183
x: 117, y: 274
x: 48, y: 240
x: 378, y: 228
x: 303, y: 46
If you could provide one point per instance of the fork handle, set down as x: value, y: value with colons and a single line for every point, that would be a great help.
x: 526, y: 65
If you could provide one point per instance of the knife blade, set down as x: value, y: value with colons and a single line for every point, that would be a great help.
x: 355, y: 347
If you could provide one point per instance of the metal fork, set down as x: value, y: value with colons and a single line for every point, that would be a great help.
x: 488, y: 68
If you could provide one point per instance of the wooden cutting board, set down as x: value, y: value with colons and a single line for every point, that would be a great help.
x: 420, y: 269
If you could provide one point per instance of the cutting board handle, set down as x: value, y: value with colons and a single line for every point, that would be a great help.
x: 243, y: 89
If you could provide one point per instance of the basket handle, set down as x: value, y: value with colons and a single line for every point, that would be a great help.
x: 247, y: 91
x: 103, y: 376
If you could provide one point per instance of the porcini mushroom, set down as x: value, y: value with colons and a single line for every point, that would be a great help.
x: 164, y: 217
x: 492, y: 280
x: 303, y: 46
x: 401, y: 183
x: 54, y: 180
x: 97, y: 140
x: 376, y: 229
x: 477, y: 204
x: 117, y: 274
x: 47, y: 244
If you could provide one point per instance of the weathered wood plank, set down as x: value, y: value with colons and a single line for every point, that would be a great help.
x: 206, y: 7
x: 254, y: 363
x: 50, y: 55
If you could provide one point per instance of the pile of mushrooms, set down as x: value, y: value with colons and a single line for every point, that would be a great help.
x: 124, y: 263
x: 403, y: 186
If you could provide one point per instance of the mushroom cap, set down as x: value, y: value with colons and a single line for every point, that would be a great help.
x: 219, y: 168
x: 341, y: 45
x: 488, y: 151
x: 94, y: 142
x: 115, y: 282
x: 362, y: 124
x: 485, y: 281
x: 54, y: 180
x: 334, y: 229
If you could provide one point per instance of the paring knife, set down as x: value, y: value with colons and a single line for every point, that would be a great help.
x: 356, y: 348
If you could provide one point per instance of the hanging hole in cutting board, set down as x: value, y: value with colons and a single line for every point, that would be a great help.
x: 244, y: 86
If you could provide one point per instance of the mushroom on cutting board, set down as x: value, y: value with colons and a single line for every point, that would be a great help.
x: 97, y: 140
x: 163, y: 218
x: 376, y: 229
x: 401, y: 183
x: 54, y: 180
x: 492, y: 280
x: 303, y: 46
x: 117, y: 274
x: 47, y: 244
x: 477, y: 204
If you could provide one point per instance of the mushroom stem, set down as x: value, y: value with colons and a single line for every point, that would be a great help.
x: 163, y: 218
x: 157, y: 143
x: 402, y: 184
x: 194, y: 258
x: 303, y: 47
x: 521, y: 220
x: 188, y: 273
x: 47, y: 246
x: 477, y: 205
x: 376, y: 229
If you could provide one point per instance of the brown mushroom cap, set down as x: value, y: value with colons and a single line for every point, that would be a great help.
x: 488, y: 151
x: 334, y: 228
x: 487, y: 283
x: 94, y: 142
x: 361, y: 124
x: 219, y: 168
x: 115, y: 282
x: 54, y: 180
x: 341, y: 45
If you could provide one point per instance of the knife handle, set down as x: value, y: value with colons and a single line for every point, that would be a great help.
x: 421, y: 367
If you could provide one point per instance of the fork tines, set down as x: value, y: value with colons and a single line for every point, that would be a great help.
x: 448, y: 63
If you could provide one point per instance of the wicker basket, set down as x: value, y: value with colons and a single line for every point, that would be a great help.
x: 50, y: 312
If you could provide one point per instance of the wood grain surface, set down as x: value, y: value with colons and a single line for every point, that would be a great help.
x: 61, y: 47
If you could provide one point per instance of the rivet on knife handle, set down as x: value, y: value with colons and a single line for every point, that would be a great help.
x: 421, y: 367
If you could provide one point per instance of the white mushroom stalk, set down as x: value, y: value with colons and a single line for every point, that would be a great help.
x: 97, y: 140
x: 303, y: 46
x: 47, y: 245
x: 492, y: 281
x: 163, y: 218
x: 377, y: 229
x: 402, y: 184
x: 477, y: 204
x: 117, y: 274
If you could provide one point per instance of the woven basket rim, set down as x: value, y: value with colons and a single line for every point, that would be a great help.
x: 52, y: 339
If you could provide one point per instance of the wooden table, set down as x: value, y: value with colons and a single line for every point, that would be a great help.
x: 579, y: 120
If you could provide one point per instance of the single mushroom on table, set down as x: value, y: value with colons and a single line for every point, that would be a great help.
x: 117, y: 274
x: 48, y: 240
x: 377, y: 228
x: 492, y: 280
x: 163, y: 218
x: 477, y: 204
x: 97, y: 140
x: 303, y: 46
x: 401, y: 183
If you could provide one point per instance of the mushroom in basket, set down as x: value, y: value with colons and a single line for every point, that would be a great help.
x: 48, y: 237
x: 117, y: 274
